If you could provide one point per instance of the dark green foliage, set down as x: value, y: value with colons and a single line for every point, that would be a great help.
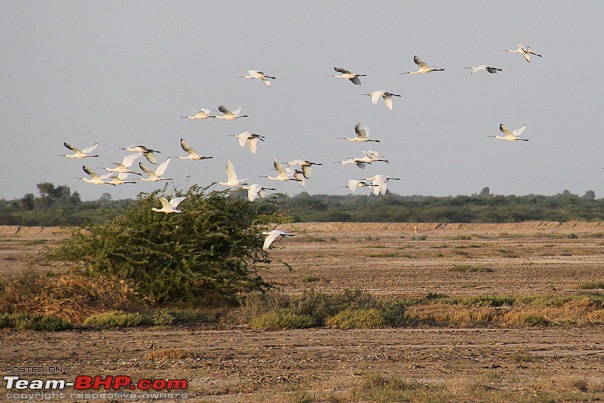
x: 211, y: 252
x: 20, y: 321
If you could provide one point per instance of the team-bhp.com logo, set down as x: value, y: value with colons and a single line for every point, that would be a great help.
x: 15, y: 384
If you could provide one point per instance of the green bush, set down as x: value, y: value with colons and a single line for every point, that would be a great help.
x: 33, y: 322
x: 117, y: 319
x: 282, y: 319
x: 209, y: 253
x: 471, y: 269
x: 357, y: 319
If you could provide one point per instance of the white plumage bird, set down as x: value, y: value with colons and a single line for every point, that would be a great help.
x: 362, y: 134
x: 354, y: 184
x: 258, y: 75
x: 272, y: 236
x: 118, y: 180
x: 251, y: 139
x: 154, y: 176
x: 229, y: 115
x: 191, y: 153
x: 424, y: 68
x: 282, y: 173
x: 200, y: 115
x: 525, y: 51
x: 380, y: 184
x: 385, y: 95
x: 124, y: 166
x: 510, y: 135
x: 305, y: 166
x: 232, y: 180
x: 169, y: 206
x: 77, y: 153
x: 483, y: 67
x: 148, y: 153
x: 95, y: 178
x: 255, y: 190
x: 353, y: 77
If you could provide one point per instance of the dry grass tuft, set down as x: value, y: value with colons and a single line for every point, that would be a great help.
x: 170, y: 354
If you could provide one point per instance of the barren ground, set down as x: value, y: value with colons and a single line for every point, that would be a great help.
x: 235, y: 364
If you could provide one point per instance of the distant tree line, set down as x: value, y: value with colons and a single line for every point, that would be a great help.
x: 59, y: 206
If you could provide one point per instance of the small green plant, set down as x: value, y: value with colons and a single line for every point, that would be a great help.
x: 282, y: 319
x: 419, y: 237
x: 20, y: 321
x: 572, y: 236
x: 117, y: 319
x: 471, y: 269
x: 597, y: 285
x: 357, y: 319
x: 311, y: 279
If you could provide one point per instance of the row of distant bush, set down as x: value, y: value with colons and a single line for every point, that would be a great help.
x: 59, y: 206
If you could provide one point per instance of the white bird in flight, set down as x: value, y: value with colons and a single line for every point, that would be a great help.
x: 255, y: 190
x: 356, y: 161
x: 372, y: 156
x: 118, y: 180
x: 169, y: 206
x: 77, y: 153
x: 385, y: 95
x: 510, y: 135
x: 253, y: 74
x: 380, y: 184
x: 353, y: 77
x: 147, y: 152
x: 191, y: 153
x: 305, y: 166
x: 154, y: 176
x: 272, y: 236
x: 483, y: 67
x: 124, y: 166
x: 282, y: 173
x: 232, y: 180
x: 251, y: 139
x: 95, y: 179
x: 228, y: 115
x: 200, y: 114
x: 362, y: 134
x: 423, y: 67
x: 525, y: 51
x: 354, y: 184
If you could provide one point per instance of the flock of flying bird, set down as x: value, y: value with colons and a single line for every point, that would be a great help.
x: 296, y: 170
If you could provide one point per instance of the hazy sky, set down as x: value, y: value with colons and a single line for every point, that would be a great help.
x: 123, y: 72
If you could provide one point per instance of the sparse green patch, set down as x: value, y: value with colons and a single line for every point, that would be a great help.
x: 21, y: 321
x: 471, y: 269
x: 596, y: 285
x: 117, y: 319
x: 311, y: 279
x: 357, y: 319
x: 282, y: 319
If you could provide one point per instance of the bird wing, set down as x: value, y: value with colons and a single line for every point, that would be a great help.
x: 388, y: 101
x: 162, y: 167
x: 129, y: 159
x: 362, y: 131
x: 253, y: 191
x: 224, y: 110
x: 279, y: 167
x: 186, y: 147
x: 243, y: 138
x: 375, y: 96
x: 90, y: 172
x: 90, y: 149
x: 236, y: 111
x: 176, y: 201
x: 252, y: 142
x: 274, y: 234
x: 353, y: 184
x: 164, y: 202
x: 306, y: 171
x: 145, y: 169
x: 230, y: 171
x: 519, y: 131
x: 355, y: 80
x: 420, y: 62
x: 150, y: 157
x: 341, y: 70
x: 504, y: 130
x: 72, y: 148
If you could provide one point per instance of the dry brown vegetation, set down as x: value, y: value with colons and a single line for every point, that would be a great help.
x: 528, y: 329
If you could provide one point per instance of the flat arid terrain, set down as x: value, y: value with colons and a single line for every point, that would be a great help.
x: 544, y: 361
